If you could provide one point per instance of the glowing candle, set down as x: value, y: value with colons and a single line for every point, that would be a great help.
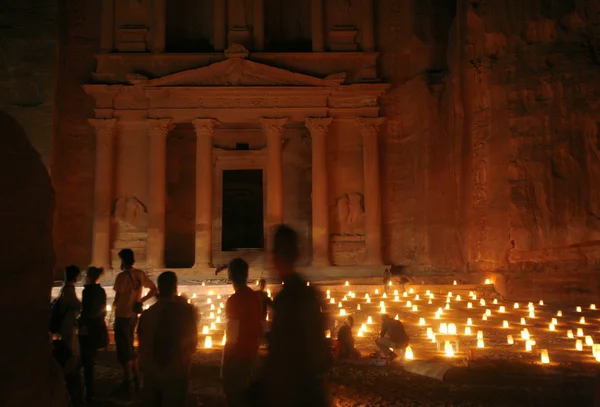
x: 366, y: 296
x: 488, y: 312
x: 443, y: 328
x: 474, y: 297
x: 342, y: 312
x: 440, y: 311
x: 269, y: 292
x: 559, y: 313
x: 345, y: 298
x: 405, y: 294
x: 484, y: 317
x: 363, y: 327
x: 368, y: 301
x: 505, y: 324
x: 454, y: 283
x: 347, y: 283
x: 495, y: 302
x: 469, y: 321
x: 369, y: 320
x: 449, y: 350
x: 429, y: 302
x: 595, y: 350
x: 528, y: 346
x: 328, y: 291
x: 592, y: 306
x: 523, y: 322
x: 531, y: 314
x: 384, y: 295
x: 545, y: 356
x: 212, y: 306
x: 578, y: 345
x: 541, y: 302
x: 108, y: 308
x: 579, y: 332
x: 449, y: 294
x: 205, y: 330
x: 554, y: 321
x: 487, y: 281
x: 447, y: 306
x: 588, y: 340
x: 396, y: 318
x: 211, y: 315
x: 510, y: 340
x: 208, y: 342
x: 381, y: 304
x: 427, y: 292
x: 408, y: 304
x: 411, y: 291
x: 222, y: 305
x: 395, y: 292
x: 414, y: 308
x: 578, y: 309
x: 482, y: 302
x: 332, y: 300
x: 480, y: 343
x: 431, y: 296
x: 421, y: 321
x: 570, y: 334
x: 458, y: 298
x: 358, y: 307
x: 451, y: 329
x: 467, y: 330
x: 340, y: 304
x: 516, y: 306
x: 327, y: 333
x: 208, y: 300
x: 360, y: 332
x: 308, y: 283
x: 218, y: 320
x: 582, y: 320
x: 502, y: 309
x: 213, y: 326
x: 429, y: 333
x: 469, y: 305
x: 224, y: 340
x: 551, y: 327
x: 408, y: 353
x: 396, y: 298
x: 437, y: 315
x: 525, y: 334
x: 479, y: 334
x: 447, y: 300
x: 382, y: 310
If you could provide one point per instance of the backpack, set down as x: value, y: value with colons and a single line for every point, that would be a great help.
x: 56, y: 317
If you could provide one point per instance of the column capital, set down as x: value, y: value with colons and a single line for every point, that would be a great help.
x: 160, y: 126
x: 273, y: 125
x: 103, y: 125
x: 369, y: 124
x: 317, y: 124
x: 205, y: 126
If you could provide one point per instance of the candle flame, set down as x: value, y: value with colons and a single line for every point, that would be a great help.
x: 408, y: 353
x: 208, y: 342
x: 510, y: 340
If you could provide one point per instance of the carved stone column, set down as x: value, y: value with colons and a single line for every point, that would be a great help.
x: 159, y: 16
x: 273, y: 129
x: 368, y: 36
x: 157, y: 191
x: 318, y: 39
x: 369, y: 127
x: 219, y: 25
x: 107, y: 18
x: 318, y: 127
x: 205, y: 129
x: 258, y: 25
x: 103, y: 191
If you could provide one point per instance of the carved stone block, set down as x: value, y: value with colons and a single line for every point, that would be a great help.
x: 343, y: 39
x: 132, y: 39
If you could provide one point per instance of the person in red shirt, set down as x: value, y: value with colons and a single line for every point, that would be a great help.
x: 243, y: 311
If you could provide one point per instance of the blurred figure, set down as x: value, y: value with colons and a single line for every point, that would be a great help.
x: 128, y: 304
x: 93, y: 334
x: 168, y: 335
x: 240, y: 355
x: 299, y: 354
x: 345, y: 340
x: 267, y: 302
x: 392, y: 336
x: 387, y: 277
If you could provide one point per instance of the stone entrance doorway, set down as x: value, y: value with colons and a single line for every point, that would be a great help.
x: 242, y: 211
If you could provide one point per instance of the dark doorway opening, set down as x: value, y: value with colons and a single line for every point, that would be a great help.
x: 242, y: 210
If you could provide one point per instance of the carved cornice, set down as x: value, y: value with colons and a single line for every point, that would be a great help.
x: 160, y: 127
x: 318, y: 124
x: 205, y: 126
x: 273, y: 125
x: 369, y: 125
x: 104, y: 126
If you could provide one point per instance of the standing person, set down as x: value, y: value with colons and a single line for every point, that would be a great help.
x: 128, y: 304
x: 93, y: 334
x: 267, y: 302
x: 69, y: 307
x: 244, y: 311
x: 299, y: 355
x: 392, y: 335
x: 168, y: 334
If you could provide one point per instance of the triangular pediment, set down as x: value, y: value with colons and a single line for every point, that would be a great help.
x: 236, y: 72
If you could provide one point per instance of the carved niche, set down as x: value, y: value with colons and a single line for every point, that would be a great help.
x: 350, y: 215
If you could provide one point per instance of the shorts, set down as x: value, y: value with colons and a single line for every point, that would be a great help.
x: 124, y: 333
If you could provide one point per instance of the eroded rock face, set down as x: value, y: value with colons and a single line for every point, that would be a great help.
x: 26, y: 212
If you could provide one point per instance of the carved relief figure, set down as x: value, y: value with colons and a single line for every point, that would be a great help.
x: 350, y: 214
x: 130, y: 213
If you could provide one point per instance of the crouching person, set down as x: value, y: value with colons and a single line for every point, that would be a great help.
x: 345, y: 341
x: 392, y: 336
x: 168, y: 335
